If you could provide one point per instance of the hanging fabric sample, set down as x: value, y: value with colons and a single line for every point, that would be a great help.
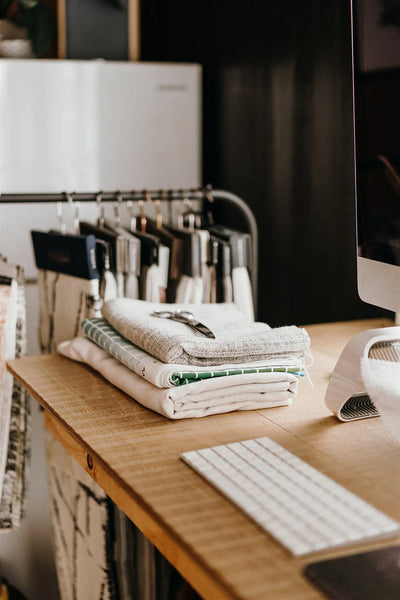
x: 176, y: 256
x: 151, y: 282
x: 220, y: 257
x: 195, y: 282
x: 205, y: 273
x: 240, y: 256
x: 13, y: 498
x: 67, y: 268
x: 129, y: 255
x: 16, y: 468
x: 190, y: 285
x: 8, y: 322
x: 109, y: 248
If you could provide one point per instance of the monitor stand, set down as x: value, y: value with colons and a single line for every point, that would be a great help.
x: 346, y: 396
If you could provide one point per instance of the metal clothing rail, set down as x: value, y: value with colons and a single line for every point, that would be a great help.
x: 168, y: 195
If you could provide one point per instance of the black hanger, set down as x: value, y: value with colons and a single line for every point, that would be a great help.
x: 240, y: 244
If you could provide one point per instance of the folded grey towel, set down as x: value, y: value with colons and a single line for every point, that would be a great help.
x: 237, y: 339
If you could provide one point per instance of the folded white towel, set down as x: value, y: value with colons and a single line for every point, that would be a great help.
x: 207, y: 397
x: 238, y: 340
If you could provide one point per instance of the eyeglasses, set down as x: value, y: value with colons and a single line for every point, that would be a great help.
x: 186, y: 317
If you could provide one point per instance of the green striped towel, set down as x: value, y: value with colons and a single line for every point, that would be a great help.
x: 164, y: 375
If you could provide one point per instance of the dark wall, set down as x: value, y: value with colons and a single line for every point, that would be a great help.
x: 277, y: 132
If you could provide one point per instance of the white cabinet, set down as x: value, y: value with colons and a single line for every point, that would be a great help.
x: 98, y: 125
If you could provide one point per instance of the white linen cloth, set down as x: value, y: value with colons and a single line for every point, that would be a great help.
x: 382, y: 384
x: 204, y: 237
x: 164, y: 375
x: 157, y: 277
x: 197, y: 290
x: 242, y: 291
x: 207, y: 397
x: 237, y: 339
x: 184, y: 290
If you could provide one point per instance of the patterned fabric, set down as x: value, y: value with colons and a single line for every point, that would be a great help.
x: 242, y: 291
x: 185, y: 377
x: 8, y: 320
x: 64, y: 301
x: 162, y: 375
x: 82, y: 518
x: 13, y: 500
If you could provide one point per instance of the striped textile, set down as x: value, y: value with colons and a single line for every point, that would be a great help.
x: 160, y: 374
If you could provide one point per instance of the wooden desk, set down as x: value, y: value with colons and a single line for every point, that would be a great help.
x: 133, y: 454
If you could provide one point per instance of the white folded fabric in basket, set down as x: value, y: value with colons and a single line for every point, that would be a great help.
x: 237, y: 340
x: 207, y: 397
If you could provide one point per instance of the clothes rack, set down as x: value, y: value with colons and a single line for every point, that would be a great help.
x: 168, y: 195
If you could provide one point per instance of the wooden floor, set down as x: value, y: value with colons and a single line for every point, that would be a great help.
x: 133, y: 454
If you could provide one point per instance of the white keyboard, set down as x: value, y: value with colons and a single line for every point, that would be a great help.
x: 299, y: 506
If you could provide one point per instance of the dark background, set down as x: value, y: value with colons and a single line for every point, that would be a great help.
x: 278, y: 132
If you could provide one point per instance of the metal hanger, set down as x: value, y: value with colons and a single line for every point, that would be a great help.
x: 143, y: 220
x: 60, y: 216
x: 208, y: 204
x: 75, y: 207
x: 100, y: 205
x: 159, y: 217
x: 132, y: 216
x: 116, y: 206
x: 189, y: 219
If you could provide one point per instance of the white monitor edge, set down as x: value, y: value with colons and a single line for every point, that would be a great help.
x: 379, y: 283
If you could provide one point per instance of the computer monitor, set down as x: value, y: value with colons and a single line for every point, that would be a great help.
x: 366, y: 378
x: 376, y: 87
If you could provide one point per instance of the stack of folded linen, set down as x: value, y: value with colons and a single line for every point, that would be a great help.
x: 173, y: 369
